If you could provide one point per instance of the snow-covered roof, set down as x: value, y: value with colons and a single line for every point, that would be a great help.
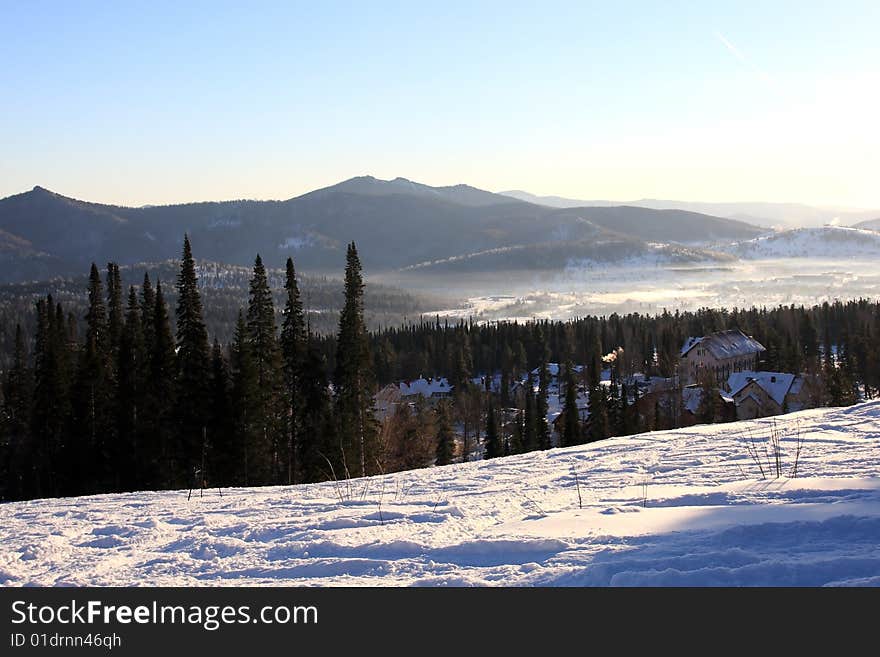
x: 689, y: 344
x: 725, y: 344
x: 424, y: 387
x: 776, y: 384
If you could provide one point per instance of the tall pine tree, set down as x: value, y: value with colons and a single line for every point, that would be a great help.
x: 354, y: 377
x: 92, y: 401
x: 148, y: 313
x: 445, y: 436
x: 266, y: 463
x: 18, y: 461
x: 293, y: 350
x: 317, y: 436
x: 161, y: 456
x: 571, y: 432
x: 220, y: 448
x: 530, y: 419
x: 599, y: 424
x: 491, y: 442
x: 247, y: 436
x: 130, y: 382
x: 115, y: 311
x: 542, y: 402
x: 193, y: 369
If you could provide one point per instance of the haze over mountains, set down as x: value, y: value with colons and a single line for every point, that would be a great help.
x: 397, y: 224
x: 786, y: 215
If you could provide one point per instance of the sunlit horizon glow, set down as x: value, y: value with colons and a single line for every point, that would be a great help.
x: 157, y: 103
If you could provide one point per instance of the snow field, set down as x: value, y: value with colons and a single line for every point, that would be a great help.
x: 683, y: 507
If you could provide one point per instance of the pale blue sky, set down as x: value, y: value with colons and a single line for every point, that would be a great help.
x: 154, y: 102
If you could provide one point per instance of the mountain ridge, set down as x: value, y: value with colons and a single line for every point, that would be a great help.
x: 768, y: 214
x: 396, y: 223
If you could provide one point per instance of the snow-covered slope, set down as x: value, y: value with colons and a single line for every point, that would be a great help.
x: 824, y: 242
x: 870, y: 224
x: 685, y: 507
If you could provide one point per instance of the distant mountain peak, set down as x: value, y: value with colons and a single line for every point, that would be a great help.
x: 368, y: 185
x: 42, y: 192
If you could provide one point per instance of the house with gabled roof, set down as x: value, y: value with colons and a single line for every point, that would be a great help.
x: 718, y: 354
x: 406, y: 392
x: 762, y: 394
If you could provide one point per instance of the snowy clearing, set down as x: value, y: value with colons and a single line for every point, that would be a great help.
x: 684, y: 507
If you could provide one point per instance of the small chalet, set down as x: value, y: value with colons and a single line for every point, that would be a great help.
x: 406, y: 392
x: 429, y: 388
x: 762, y: 394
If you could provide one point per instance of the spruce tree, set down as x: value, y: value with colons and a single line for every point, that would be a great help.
x: 318, y: 429
x: 808, y: 341
x: 506, y: 365
x: 115, y: 321
x: 530, y: 419
x: 92, y: 403
x: 492, y: 442
x: 613, y: 409
x: 293, y: 348
x: 542, y: 405
x: 16, y: 419
x: 571, y: 419
x: 516, y: 442
x: 115, y: 312
x: 445, y: 435
x: 193, y: 369
x: 161, y: 458
x: 625, y: 426
x: 220, y: 447
x: 464, y: 390
x: 51, y: 408
x: 267, y: 464
x: 115, y: 450
x: 247, y: 435
x: 65, y: 355
x: 148, y: 313
x: 43, y: 404
x: 636, y: 423
x: 354, y: 378
x: 130, y: 382
x: 542, y: 402
x: 464, y: 364
x: 96, y: 316
x: 599, y: 425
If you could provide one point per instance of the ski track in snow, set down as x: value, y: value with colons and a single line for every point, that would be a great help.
x: 684, y: 507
